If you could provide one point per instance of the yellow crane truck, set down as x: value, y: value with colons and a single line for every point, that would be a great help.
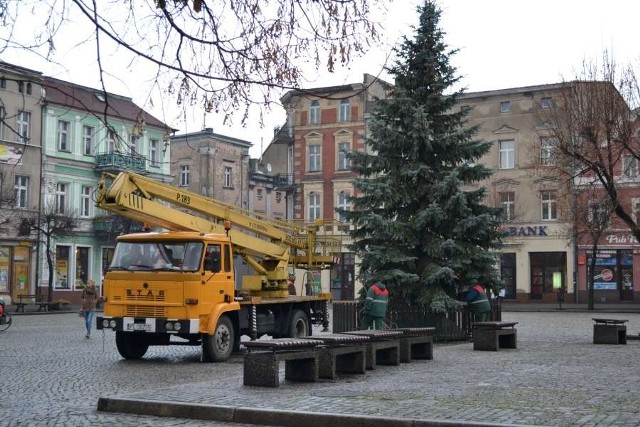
x: 177, y: 287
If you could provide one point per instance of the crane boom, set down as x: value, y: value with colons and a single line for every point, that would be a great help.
x: 166, y: 206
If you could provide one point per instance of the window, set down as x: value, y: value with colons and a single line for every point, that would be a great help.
x: 87, y: 139
x: 508, y: 204
x: 465, y: 108
x: 343, y: 161
x: 549, y: 205
x: 20, y: 86
x: 546, y: 103
x: 629, y: 166
x: 259, y: 193
x: 314, y: 206
x: 228, y: 177
x: 133, y: 144
x: 3, y: 83
x: 505, y: 106
x: 85, y: 201
x: 344, y: 115
x: 547, y: 150
x: 184, y: 176
x: 63, y: 135
x: 314, y: 113
x: 507, y: 154
x: 154, y: 149
x: 111, y: 141
x: 23, y: 121
x: 598, y: 214
x: 314, y: 158
x: 342, y: 204
x: 62, y: 267
x: 21, y: 188
x: 82, y: 266
x: 61, y: 198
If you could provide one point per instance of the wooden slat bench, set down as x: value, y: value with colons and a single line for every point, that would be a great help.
x: 383, y: 347
x: 609, y: 331
x: 342, y: 354
x: 262, y: 362
x: 416, y: 343
x: 493, y: 336
x: 26, y: 299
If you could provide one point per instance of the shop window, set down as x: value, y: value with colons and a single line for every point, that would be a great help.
x: 82, y: 266
x: 62, y: 267
x: 544, y: 266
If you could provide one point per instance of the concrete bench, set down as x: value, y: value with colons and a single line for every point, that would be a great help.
x: 416, y: 343
x: 609, y: 331
x: 492, y: 336
x: 342, y: 354
x: 262, y: 362
x: 383, y: 347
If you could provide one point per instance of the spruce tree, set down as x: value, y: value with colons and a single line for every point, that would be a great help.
x: 420, y: 225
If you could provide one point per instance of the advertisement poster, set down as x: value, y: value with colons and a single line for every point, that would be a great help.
x: 62, y: 272
x: 10, y: 155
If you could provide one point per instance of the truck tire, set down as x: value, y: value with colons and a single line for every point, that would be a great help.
x: 219, y: 346
x: 299, y: 326
x: 131, y: 346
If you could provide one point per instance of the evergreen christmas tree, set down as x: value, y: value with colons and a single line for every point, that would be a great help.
x: 420, y: 223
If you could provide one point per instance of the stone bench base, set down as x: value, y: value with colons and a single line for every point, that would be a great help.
x: 349, y: 359
x: 492, y: 336
x: 262, y: 366
x: 383, y: 347
x: 609, y: 334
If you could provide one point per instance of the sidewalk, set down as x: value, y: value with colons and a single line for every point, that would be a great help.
x: 556, y: 377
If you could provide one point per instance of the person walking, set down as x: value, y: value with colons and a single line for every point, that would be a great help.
x: 375, y: 306
x: 479, y: 304
x: 89, y: 300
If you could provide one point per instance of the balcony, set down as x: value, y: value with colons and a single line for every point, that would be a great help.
x: 283, y: 181
x: 118, y: 162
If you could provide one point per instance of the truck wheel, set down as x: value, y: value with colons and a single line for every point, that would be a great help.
x: 219, y: 346
x: 131, y: 346
x: 299, y: 326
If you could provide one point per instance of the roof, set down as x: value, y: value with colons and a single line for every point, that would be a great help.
x: 59, y: 92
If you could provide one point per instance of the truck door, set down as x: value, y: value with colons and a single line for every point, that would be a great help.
x: 217, y: 276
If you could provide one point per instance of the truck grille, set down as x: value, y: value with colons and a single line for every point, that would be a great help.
x: 146, y: 298
x: 145, y: 311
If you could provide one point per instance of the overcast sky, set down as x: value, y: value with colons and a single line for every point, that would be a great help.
x: 501, y: 43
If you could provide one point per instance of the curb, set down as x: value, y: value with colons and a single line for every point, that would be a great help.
x: 272, y: 417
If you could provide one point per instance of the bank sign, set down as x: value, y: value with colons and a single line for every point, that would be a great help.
x: 536, y: 230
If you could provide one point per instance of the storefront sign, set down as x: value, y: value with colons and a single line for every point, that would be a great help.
x: 536, y: 230
x: 621, y: 239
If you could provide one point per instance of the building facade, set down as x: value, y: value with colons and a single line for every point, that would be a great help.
x: 87, y: 132
x: 20, y: 159
x: 212, y: 165
x: 326, y: 124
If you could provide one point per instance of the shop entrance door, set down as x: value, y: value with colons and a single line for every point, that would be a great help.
x: 508, y: 274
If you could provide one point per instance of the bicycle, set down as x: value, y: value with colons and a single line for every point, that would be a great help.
x: 5, y: 318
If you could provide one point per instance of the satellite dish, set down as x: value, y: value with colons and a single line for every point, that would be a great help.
x: 268, y: 167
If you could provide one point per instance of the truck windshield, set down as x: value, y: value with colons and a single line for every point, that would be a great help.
x: 161, y: 256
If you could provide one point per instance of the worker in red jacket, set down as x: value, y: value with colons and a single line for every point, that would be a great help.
x: 479, y: 304
x: 375, y: 306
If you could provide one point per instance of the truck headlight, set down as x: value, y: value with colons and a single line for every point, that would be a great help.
x: 112, y: 324
x: 105, y: 323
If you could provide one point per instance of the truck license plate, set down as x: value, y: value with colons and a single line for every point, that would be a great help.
x: 138, y: 327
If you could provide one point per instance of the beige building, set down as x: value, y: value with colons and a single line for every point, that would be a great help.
x: 538, y: 255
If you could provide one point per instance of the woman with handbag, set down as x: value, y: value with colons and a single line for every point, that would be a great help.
x: 89, y: 300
